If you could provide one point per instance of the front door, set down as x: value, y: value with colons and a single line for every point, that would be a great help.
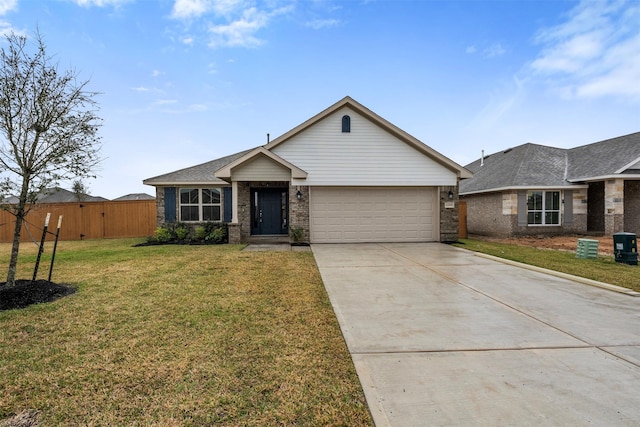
x: 269, y: 207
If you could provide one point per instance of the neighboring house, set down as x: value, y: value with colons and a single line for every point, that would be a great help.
x: 344, y: 175
x: 533, y: 189
x: 58, y: 195
x: 134, y: 196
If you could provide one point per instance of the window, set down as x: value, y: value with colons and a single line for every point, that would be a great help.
x: 346, y: 124
x: 543, y: 208
x: 200, y: 204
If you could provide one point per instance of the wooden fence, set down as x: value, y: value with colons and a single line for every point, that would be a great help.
x: 85, y: 220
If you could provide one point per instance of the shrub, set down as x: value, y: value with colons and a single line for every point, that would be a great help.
x: 210, y: 233
x: 163, y: 235
x: 182, y: 231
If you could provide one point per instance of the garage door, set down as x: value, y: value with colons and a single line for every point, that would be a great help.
x: 372, y: 214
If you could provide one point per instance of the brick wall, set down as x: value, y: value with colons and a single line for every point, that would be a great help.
x: 496, y: 214
x: 485, y: 215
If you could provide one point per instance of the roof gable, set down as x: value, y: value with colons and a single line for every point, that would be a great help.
x: 226, y: 171
x: 350, y: 103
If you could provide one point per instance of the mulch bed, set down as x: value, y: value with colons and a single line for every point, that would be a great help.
x: 27, y: 292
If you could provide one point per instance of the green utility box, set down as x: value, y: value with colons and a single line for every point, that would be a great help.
x: 625, y: 248
x: 587, y: 248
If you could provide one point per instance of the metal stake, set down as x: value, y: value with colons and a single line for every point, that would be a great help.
x: 41, y: 249
x: 55, y: 245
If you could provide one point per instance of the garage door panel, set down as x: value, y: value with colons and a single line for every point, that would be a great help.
x: 368, y: 214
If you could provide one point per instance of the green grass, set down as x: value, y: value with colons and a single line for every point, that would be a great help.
x: 178, y: 336
x: 603, y: 269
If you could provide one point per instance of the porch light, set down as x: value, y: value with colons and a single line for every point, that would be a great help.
x: 299, y: 195
x: 450, y: 195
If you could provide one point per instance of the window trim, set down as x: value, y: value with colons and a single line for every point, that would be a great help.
x: 200, y: 204
x: 544, y: 211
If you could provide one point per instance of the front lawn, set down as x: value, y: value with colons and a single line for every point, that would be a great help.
x: 603, y: 269
x: 178, y: 336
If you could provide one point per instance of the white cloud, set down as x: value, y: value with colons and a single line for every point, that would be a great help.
x: 318, y: 24
x: 241, y: 32
x: 229, y: 23
x: 156, y: 73
x: 140, y: 89
x: 165, y: 102
x: 595, y: 52
x: 494, y: 50
x: 185, y: 9
x: 491, y: 51
x: 189, y: 8
x: 101, y: 3
x: 7, y: 6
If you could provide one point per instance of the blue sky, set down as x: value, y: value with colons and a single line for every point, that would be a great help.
x: 186, y: 81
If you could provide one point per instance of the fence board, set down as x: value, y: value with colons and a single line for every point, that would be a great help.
x: 85, y: 220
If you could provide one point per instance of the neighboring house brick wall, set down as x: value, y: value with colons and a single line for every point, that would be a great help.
x: 483, y: 215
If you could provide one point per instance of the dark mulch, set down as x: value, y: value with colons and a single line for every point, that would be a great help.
x: 26, y: 293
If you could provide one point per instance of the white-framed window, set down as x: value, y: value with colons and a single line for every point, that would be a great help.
x: 543, y: 208
x: 200, y: 204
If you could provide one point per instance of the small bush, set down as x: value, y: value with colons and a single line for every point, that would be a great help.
x: 208, y: 233
x: 163, y: 235
x: 182, y: 232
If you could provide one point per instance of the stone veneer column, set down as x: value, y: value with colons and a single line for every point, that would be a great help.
x: 160, y: 206
x: 299, y: 210
x: 613, y: 206
x: 448, y: 215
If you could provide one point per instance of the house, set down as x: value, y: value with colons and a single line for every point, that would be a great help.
x: 534, y: 189
x: 134, y: 196
x: 58, y: 195
x: 344, y: 175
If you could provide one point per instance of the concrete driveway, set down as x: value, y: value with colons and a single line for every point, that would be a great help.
x: 440, y: 336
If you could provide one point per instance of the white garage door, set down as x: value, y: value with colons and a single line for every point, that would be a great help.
x: 372, y: 214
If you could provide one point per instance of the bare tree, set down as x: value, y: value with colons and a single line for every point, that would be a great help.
x: 48, y: 128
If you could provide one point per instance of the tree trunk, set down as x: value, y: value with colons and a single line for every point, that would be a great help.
x: 15, y: 247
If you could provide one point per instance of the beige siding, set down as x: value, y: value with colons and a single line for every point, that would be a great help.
x: 367, y: 214
x: 368, y: 155
x: 261, y: 169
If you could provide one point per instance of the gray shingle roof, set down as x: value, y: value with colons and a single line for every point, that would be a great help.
x: 603, y: 158
x: 202, y: 173
x: 58, y: 195
x: 135, y: 196
x: 530, y: 165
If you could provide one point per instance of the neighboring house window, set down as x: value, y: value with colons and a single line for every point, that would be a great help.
x: 346, y: 124
x: 543, y: 208
x: 200, y: 204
